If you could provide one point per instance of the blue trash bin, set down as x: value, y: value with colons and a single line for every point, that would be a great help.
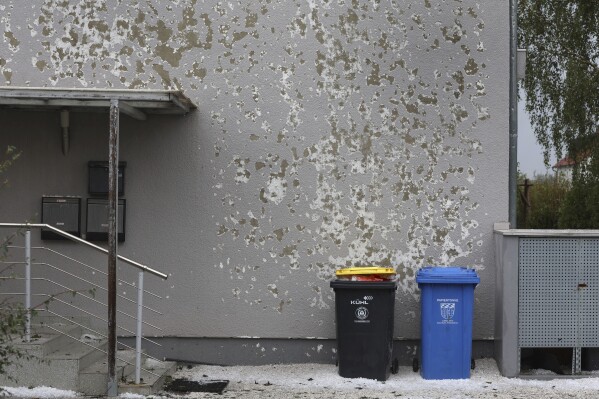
x: 447, y: 301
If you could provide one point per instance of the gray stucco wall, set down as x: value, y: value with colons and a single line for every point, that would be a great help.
x: 328, y: 134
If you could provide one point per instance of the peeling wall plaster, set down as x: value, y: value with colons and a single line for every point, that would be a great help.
x: 342, y: 132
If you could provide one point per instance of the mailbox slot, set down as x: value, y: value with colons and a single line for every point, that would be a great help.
x: 64, y: 213
x: 97, y: 220
x: 98, y: 178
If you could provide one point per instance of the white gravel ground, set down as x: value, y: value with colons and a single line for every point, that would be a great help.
x: 320, y: 381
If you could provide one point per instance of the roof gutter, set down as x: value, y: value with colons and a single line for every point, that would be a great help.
x: 513, y: 125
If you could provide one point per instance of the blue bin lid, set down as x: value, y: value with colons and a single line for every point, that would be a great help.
x: 446, y: 275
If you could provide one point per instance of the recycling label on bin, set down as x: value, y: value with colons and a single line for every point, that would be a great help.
x: 361, y: 313
x: 447, y: 307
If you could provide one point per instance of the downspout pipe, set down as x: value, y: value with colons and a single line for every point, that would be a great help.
x: 513, y: 115
x: 64, y: 124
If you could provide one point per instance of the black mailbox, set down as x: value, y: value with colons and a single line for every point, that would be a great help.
x: 64, y: 213
x: 98, y: 178
x: 97, y: 220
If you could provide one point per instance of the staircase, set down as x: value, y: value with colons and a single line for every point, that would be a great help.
x: 53, y: 358
x: 66, y: 328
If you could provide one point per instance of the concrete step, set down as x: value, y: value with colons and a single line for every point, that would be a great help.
x: 58, y: 369
x: 55, y: 358
x: 153, y: 376
x: 84, y: 354
x: 93, y: 380
x: 45, y: 338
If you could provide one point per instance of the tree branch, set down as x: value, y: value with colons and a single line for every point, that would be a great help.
x: 570, y: 54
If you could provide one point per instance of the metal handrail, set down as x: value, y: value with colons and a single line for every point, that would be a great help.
x: 72, y: 275
x: 82, y: 295
x: 54, y: 298
x: 85, y: 265
x: 89, y: 244
x: 79, y: 278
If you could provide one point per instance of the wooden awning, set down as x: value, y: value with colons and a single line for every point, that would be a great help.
x: 134, y: 103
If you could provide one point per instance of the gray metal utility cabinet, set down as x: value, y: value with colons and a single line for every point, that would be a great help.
x: 547, y: 294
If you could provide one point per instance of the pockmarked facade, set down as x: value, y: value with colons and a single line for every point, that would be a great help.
x: 328, y: 134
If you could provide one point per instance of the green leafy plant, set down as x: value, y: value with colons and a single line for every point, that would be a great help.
x: 12, y: 325
x: 10, y: 156
x: 539, y: 205
x: 560, y: 37
x: 12, y: 315
x: 581, y: 206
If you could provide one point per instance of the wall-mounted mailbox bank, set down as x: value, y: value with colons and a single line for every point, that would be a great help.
x: 97, y: 220
x: 98, y: 178
x: 63, y: 213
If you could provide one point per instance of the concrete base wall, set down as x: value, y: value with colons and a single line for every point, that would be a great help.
x: 257, y: 351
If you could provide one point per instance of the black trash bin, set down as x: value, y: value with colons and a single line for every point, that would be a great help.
x: 364, y: 313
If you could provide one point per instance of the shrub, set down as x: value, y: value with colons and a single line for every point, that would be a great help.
x: 546, y: 196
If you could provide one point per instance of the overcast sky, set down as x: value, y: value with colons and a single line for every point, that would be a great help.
x: 530, y: 153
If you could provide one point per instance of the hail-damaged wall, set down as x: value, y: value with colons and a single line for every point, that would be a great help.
x: 329, y: 134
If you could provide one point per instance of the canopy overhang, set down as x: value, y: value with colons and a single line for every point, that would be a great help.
x: 134, y: 103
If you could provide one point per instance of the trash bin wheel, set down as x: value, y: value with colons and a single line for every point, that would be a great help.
x: 472, y: 364
x: 395, y: 366
x: 415, y: 365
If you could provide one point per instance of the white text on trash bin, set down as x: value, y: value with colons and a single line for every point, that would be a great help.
x: 362, y: 301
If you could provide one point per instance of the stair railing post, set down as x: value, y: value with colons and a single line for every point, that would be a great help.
x: 140, y: 295
x: 28, y: 286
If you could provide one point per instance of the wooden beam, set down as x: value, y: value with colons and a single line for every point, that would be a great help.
x: 113, y: 164
x: 132, y: 111
x: 55, y: 103
x: 177, y: 101
x: 85, y: 94
x: 58, y: 103
x: 168, y: 101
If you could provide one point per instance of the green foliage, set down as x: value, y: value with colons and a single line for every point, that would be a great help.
x: 562, y: 77
x: 12, y: 316
x: 559, y: 204
x: 546, y: 196
x: 12, y: 324
x: 581, y: 206
x: 562, y: 71
x: 10, y: 156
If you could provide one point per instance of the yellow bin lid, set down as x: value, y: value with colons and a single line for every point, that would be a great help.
x: 350, y: 271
